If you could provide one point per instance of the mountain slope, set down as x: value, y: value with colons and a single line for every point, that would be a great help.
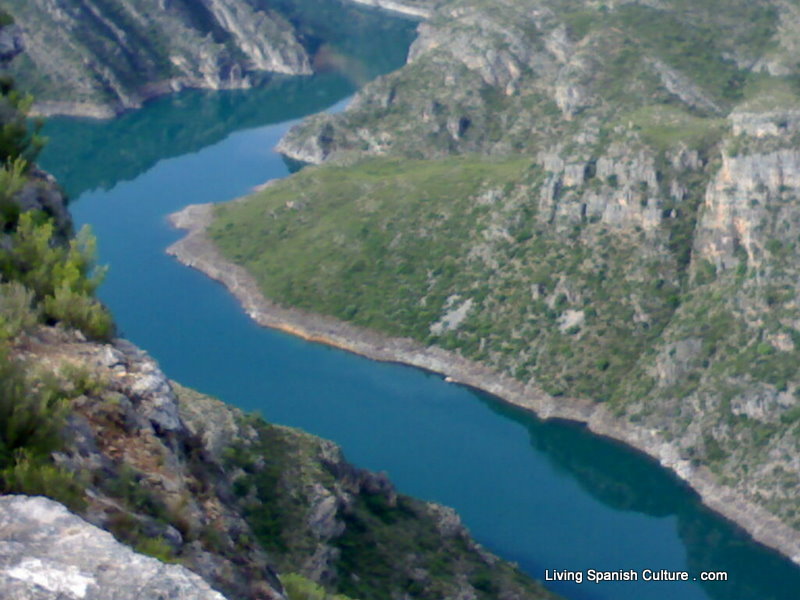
x: 597, y: 201
x: 99, y: 58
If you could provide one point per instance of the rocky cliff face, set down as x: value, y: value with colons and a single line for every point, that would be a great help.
x: 147, y: 479
x: 97, y: 58
x: 599, y: 201
x: 512, y: 78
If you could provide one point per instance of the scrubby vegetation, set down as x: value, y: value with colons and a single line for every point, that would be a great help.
x: 33, y: 410
x: 606, y: 209
x: 390, y: 232
x: 397, y: 246
x: 375, y: 543
x: 55, y: 281
x: 298, y: 587
x: 60, y: 280
x: 42, y: 281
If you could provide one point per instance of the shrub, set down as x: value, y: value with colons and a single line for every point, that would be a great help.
x: 40, y: 264
x: 80, y: 380
x: 62, y: 279
x: 35, y: 477
x: 31, y: 417
x: 80, y: 311
x: 17, y: 310
x: 157, y: 548
x: 12, y: 180
x: 298, y: 587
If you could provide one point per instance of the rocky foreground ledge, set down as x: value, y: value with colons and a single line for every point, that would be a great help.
x: 47, y: 552
x: 196, y: 250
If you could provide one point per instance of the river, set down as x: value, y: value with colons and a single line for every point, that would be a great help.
x: 550, y: 496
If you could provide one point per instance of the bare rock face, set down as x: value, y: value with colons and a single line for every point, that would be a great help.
x: 92, y: 59
x: 47, y: 552
x: 10, y: 44
x: 150, y: 478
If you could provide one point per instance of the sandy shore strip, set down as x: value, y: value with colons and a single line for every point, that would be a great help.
x: 197, y: 251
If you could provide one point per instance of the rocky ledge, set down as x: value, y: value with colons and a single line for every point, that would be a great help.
x: 47, y: 552
x: 421, y: 9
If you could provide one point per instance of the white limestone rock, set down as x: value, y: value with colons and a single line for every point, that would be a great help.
x: 47, y: 552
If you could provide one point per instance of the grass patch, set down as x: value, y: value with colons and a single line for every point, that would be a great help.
x: 364, y: 243
x: 666, y: 127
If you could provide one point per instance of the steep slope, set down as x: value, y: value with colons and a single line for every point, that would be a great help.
x: 592, y: 202
x: 98, y: 58
x: 190, y: 480
x: 522, y: 74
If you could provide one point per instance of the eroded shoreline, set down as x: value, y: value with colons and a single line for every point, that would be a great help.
x: 197, y: 251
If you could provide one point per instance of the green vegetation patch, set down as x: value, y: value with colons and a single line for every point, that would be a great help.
x: 378, y: 244
x: 61, y: 280
x: 396, y: 543
x: 665, y: 127
x: 271, y: 489
x: 298, y: 587
x: 454, y: 253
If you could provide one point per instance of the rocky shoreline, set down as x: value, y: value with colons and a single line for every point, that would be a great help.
x: 91, y: 110
x: 197, y: 251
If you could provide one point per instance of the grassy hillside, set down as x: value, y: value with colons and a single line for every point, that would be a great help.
x: 599, y: 199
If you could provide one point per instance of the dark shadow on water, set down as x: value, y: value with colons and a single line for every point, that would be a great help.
x: 292, y: 165
x: 82, y: 159
x: 627, y: 480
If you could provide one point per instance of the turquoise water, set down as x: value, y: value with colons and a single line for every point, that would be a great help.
x: 547, y: 495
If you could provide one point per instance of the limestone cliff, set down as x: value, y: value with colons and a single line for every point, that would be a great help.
x: 513, y: 77
x: 98, y: 58
x: 94, y: 58
x: 46, y: 552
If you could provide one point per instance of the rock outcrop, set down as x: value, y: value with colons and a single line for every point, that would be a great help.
x: 148, y: 477
x: 91, y: 58
x: 46, y: 552
x: 514, y: 77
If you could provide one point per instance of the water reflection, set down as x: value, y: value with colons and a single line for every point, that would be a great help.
x: 627, y: 480
x: 352, y: 45
x: 177, y: 125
